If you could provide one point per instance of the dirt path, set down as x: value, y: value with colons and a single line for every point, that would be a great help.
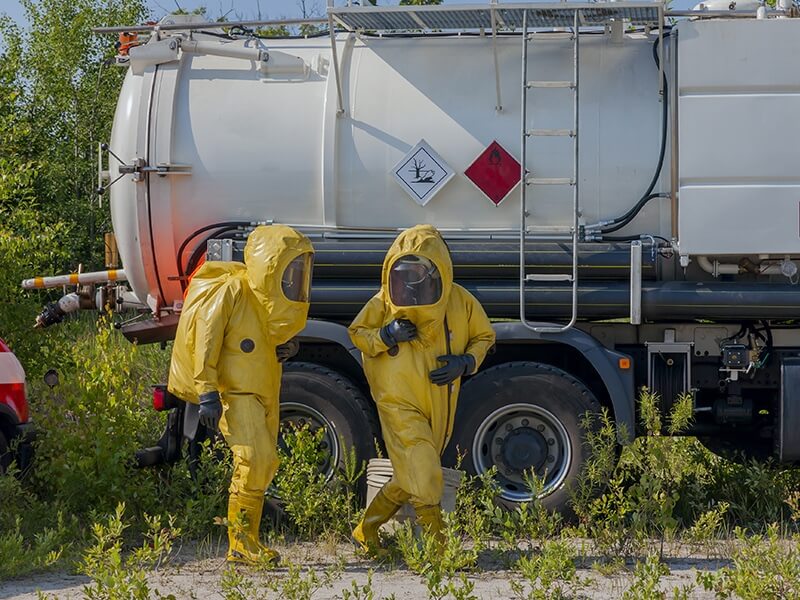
x: 194, y: 575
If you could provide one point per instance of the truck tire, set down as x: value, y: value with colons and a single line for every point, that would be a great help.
x: 520, y: 415
x: 320, y: 397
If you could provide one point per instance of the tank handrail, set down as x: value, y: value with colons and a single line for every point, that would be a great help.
x: 207, y: 25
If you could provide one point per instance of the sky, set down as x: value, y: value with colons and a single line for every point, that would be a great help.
x: 244, y: 9
x: 249, y: 9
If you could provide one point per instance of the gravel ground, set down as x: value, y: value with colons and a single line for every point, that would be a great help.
x: 196, y: 573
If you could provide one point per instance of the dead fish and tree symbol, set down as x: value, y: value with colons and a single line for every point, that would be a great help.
x: 421, y: 174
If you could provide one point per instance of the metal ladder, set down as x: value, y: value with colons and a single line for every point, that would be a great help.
x: 528, y: 180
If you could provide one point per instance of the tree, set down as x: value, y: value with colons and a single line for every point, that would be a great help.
x: 59, y: 93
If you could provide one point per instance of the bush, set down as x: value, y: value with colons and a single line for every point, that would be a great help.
x: 313, y: 504
x: 93, y: 422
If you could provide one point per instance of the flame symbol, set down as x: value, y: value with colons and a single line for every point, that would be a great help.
x: 494, y: 157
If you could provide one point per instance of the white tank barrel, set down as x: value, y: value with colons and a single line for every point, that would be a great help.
x: 261, y: 145
x: 223, y: 132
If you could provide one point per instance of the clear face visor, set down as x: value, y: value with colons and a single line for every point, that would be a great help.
x: 414, y: 281
x: 296, y: 280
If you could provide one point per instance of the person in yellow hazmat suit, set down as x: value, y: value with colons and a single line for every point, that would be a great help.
x: 233, y: 333
x: 418, y: 336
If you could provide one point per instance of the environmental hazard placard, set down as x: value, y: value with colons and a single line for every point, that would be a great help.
x: 422, y: 173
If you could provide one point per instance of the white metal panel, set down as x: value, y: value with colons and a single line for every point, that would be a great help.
x: 740, y: 219
x: 124, y: 206
x: 736, y: 55
x: 442, y: 90
x: 11, y: 370
x: 747, y: 138
x: 739, y: 137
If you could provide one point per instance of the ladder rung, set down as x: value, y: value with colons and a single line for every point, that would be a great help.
x: 551, y: 84
x: 551, y: 35
x: 551, y: 132
x: 549, y: 181
x: 548, y: 229
x: 548, y: 277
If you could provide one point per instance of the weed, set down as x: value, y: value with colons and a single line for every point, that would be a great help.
x: 199, y: 498
x: 359, y: 592
x: 296, y: 585
x: 707, y: 526
x: 235, y: 586
x: 646, y: 578
x: 763, y: 567
x: 793, y: 501
x: 438, y: 562
x: 528, y: 521
x: 19, y: 557
x: 623, y: 504
x: 115, y: 576
x: 476, y: 512
x: 314, y: 504
x: 549, y: 573
x: 34, y: 535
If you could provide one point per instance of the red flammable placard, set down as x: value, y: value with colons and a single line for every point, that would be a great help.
x: 495, y: 172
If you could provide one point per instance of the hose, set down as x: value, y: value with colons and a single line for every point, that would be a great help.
x: 194, y: 234
x: 625, y: 219
x: 200, y: 249
x: 621, y: 221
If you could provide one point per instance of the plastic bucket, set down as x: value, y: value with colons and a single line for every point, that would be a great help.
x: 379, y: 471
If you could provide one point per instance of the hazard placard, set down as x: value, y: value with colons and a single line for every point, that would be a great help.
x: 495, y: 172
x: 422, y: 173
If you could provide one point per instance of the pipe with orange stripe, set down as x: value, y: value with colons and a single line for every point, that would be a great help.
x: 41, y: 283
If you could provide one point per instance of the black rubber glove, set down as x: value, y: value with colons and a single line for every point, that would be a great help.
x: 455, y: 366
x: 399, y: 330
x: 287, y: 350
x: 210, y: 410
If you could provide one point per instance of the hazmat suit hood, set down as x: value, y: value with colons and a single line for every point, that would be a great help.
x: 270, y: 249
x: 422, y: 241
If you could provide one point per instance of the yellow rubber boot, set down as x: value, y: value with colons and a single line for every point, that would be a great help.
x: 244, y: 520
x: 380, y: 510
x: 430, y: 519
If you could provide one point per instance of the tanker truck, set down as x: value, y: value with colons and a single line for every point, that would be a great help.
x: 618, y: 186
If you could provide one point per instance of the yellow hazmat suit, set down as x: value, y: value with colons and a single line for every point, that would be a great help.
x: 234, y: 316
x: 417, y: 415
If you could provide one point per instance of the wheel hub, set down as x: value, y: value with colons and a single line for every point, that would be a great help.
x: 295, y: 415
x: 524, y: 449
x: 520, y: 438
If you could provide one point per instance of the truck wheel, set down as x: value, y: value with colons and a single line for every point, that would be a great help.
x: 520, y: 416
x: 320, y: 397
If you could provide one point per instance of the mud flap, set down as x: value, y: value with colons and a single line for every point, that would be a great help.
x: 789, y: 426
x: 168, y: 448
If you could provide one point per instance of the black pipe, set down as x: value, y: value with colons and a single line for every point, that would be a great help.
x: 629, y: 216
x: 661, y: 301
x: 350, y: 259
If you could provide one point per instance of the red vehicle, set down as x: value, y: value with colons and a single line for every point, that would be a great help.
x: 16, y: 429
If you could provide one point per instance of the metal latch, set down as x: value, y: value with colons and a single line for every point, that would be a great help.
x: 139, y: 167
